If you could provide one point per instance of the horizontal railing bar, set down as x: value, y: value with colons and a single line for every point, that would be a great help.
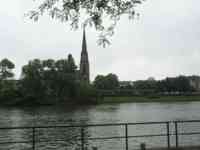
x: 123, y: 137
x: 106, y: 138
x: 186, y: 121
x: 101, y: 138
x: 16, y: 128
x: 46, y: 141
x: 188, y: 133
x: 99, y: 125
x: 13, y: 142
x: 153, y: 135
x: 39, y: 141
x: 139, y: 136
x: 80, y: 126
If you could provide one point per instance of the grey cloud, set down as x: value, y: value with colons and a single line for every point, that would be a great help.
x: 163, y: 42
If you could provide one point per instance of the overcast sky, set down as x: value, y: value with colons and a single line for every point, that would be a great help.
x: 164, y: 41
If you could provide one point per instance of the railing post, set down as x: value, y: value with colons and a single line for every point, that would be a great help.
x: 176, y: 133
x: 168, y: 135
x: 143, y: 146
x: 126, y: 135
x: 33, y: 138
x: 82, y: 138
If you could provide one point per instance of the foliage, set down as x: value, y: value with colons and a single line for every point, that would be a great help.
x: 9, y: 92
x: 145, y: 84
x: 8, y: 86
x: 49, y: 78
x: 6, y: 67
x: 109, y: 81
x: 44, y: 82
x: 31, y: 83
x: 86, y: 93
x: 96, y: 13
x: 54, y: 81
x: 178, y: 84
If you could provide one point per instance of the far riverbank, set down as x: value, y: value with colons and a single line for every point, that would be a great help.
x: 108, y: 100
x: 142, y: 99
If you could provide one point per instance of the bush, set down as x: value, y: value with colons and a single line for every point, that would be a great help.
x: 86, y: 93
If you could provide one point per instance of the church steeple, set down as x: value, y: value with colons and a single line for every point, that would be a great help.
x: 84, y: 64
x: 84, y: 43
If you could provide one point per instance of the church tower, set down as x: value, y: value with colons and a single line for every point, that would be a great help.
x: 84, y: 63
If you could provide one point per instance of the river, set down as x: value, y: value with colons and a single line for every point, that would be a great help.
x: 95, y: 114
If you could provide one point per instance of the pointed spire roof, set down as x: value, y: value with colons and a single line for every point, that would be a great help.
x: 84, y: 63
x: 84, y: 44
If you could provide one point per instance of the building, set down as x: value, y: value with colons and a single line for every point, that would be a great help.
x: 84, y: 72
x: 195, y: 82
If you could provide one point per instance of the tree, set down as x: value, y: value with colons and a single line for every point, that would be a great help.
x: 86, y: 93
x: 112, y: 81
x: 176, y: 84
x: 49, y: 64
x: 49, y: 75
x: 183, y: 84
x: 49, y: 78
x: 31, y: 82
x: 109, y: 81
x: 99, y: 82
x: 71, y: 63
x: 65, y: 77
x: 95, y: 13
x: 8, y: 86
x: 6, y: 67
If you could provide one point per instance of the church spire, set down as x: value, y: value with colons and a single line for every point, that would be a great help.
x: 84, y: 43
x: 84, y: 64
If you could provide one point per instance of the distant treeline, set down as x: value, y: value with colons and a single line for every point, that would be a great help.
x: 43, y: 82
x: 181, y: 85
x: 56, y: 81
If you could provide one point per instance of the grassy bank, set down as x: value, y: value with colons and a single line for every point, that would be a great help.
x: 121, y: 99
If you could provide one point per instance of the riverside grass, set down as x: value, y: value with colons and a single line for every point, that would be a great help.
x: 142, y: 99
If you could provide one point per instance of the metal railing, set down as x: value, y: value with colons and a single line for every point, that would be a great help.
x: 169, y: 125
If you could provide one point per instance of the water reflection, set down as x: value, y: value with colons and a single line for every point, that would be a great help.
x: 108, y: 113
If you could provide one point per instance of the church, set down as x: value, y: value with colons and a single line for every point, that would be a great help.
x: 84, y: 72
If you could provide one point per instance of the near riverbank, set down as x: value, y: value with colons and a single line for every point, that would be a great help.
x: 141, y: 99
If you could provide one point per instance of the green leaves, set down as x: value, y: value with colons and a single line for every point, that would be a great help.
x: 6, y: 67
x: 34, y: 15
x: 49, y: 78
x: 109, y: 81
x: 100, y: 14
x: 7, y: 64
x: 43, y: 82
x: 8, y: 90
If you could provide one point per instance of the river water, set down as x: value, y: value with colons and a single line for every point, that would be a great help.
x: 96, y: 114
